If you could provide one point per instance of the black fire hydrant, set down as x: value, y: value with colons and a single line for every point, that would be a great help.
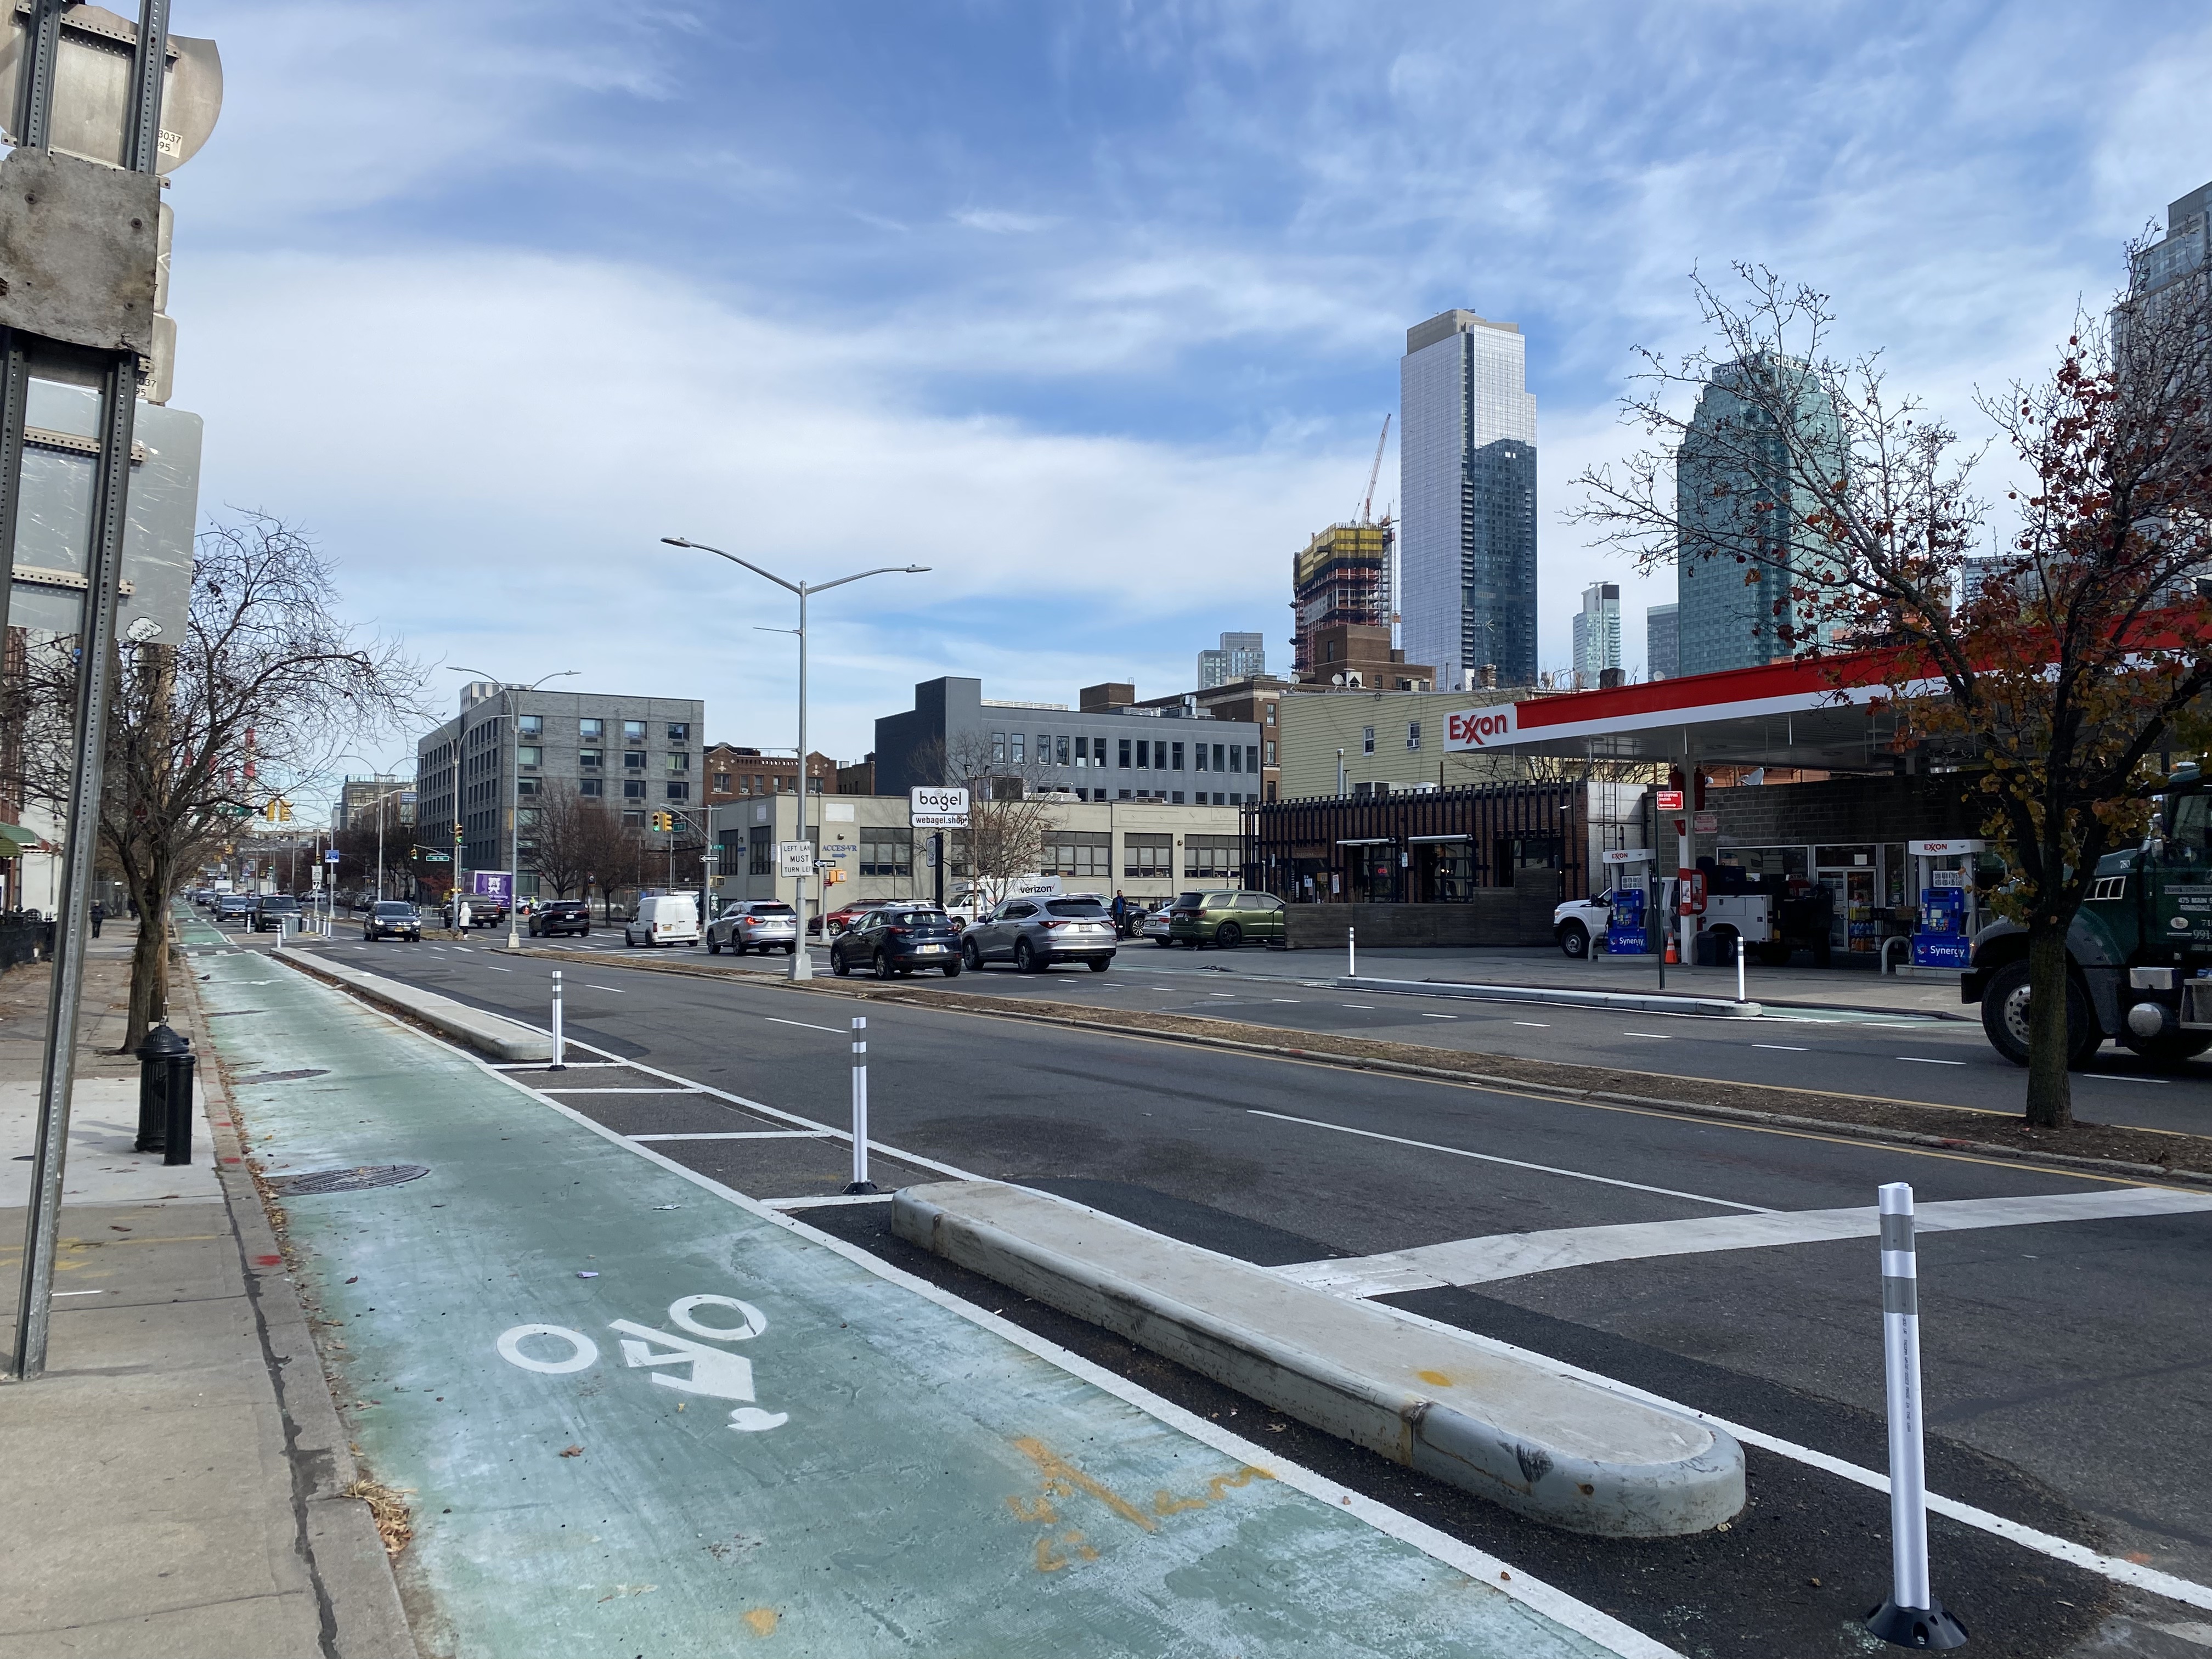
x: 165, y: 1064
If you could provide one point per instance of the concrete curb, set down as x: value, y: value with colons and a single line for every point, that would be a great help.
x: 1504, y: 1429
x: 488, y: 1034
x: 361, y: 1609
x: 1650, y: 1003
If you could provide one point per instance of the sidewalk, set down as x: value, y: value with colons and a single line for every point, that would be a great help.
x: 633, y: 1411
x: 165, y: 1493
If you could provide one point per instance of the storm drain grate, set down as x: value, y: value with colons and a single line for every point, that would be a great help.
x: 347, y: 1180
x: 285, y: 1076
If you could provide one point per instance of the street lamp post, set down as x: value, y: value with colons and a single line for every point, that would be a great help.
x: 802, y: 964
x: 514, y: 793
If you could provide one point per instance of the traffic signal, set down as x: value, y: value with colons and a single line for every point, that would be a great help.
x: 460, y: 834
x: 663, y: 822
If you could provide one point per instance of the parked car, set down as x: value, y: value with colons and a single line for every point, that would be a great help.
x: 664, y: 919
x: 235, y: 907
x: 762, y: 925
x: 898, y: 938
x: 391, y: 918
x: 834, y: 922
x: 1156, y: 928
x: 1033, y: 933
x: 276, y: 910
x: 560, y: 915
x: 1227, y: 920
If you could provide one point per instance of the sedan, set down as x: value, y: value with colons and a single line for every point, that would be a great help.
x: 235, y: 907
x: 391, y: 918
x: 1155, y: 927
x: 560, y: 916
x: 844, y: 916
x: 762, y: 925
x: 1033, y: 933
x: 897, y: 939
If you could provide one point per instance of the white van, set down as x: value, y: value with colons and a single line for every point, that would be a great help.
x: 664, y: 919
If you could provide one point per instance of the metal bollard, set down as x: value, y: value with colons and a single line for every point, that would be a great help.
x: 860, y: 1183
x: 177, y: 1140
x: 559, y: 1063
x: 153, y: 1053
x: 1912, y: 1617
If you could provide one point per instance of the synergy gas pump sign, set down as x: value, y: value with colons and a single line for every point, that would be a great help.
x: 1479, y: 728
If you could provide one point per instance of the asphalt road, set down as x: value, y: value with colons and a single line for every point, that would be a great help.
x: 2068, y: 1366
x: 1897, y: 1057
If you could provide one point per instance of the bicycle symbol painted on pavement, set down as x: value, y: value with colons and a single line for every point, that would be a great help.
x: 715, y: 1373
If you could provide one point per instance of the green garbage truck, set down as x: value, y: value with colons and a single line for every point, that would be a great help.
x: 2139, y: 954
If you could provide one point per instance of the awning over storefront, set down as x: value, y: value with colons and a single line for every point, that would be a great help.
x: 15, y: 840
x: 1832, y: 714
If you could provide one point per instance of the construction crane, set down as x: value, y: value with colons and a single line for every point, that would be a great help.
x: 1367, y: 505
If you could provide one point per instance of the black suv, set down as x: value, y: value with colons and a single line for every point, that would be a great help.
x: 560, y: 916
x: 274, y: 911
x: 897, y: 939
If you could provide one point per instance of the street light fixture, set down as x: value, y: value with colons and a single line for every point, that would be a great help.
x: 514, y: 797
x: 802, y: 964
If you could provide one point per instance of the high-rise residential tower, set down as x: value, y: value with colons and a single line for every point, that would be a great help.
x: 1341, y: 580
x: 1597, y: 633
x: 1662, y: 634
x: 1241, y: 656
x: 1467, y: 468
x: 1744, y: 551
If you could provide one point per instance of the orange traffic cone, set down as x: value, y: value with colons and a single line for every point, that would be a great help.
x: 1673, y: 955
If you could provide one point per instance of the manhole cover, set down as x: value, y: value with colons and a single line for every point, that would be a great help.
x: 285, y: 1076
x: 347, y: 1180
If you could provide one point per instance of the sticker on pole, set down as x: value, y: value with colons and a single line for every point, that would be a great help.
x: 794, y: 858
x: 938, y: 809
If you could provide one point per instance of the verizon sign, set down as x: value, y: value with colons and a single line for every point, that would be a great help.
x: 1479, y: 728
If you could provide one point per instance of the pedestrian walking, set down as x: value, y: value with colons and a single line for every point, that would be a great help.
x: 99, y: 916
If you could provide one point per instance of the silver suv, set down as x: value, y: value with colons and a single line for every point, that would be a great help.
x: 1033, y: 933
x: 762, y: 925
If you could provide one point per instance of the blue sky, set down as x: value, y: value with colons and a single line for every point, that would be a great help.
x: 1094, y: 309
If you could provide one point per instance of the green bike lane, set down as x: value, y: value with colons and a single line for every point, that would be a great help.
x: 633, y: 1412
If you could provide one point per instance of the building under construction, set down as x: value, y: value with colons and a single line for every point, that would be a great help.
x: 1342, y: 578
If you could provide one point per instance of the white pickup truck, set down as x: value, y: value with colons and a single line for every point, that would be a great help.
x: 1578, y: 922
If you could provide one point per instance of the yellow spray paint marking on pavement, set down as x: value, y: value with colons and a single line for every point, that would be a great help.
x: 760, y: 1620
x: 1436, y: 1377
x: 1062, y: 1480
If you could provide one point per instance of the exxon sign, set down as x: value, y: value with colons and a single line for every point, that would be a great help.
x: 1479, y: 728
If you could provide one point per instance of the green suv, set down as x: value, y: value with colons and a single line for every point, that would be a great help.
x: 1226, y: 919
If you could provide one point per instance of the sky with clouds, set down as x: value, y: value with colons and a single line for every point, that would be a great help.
x: 1094, y: 309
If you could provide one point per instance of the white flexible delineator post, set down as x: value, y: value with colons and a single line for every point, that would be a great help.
x: 860, y: 1183
x: 559, y: 1064
x: 1352, y: 953
x: 1912, y: 1617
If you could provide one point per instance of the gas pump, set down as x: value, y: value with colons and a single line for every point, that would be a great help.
x: 1627, y: 929
x: 1950, y: 906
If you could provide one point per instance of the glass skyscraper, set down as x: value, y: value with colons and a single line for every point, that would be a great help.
x: 1241, y: 656
x: 1597, y: 633
x: 1466, y: 470
x: 1740, y: 511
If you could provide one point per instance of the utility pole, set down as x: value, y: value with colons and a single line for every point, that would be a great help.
x: 802, y: 964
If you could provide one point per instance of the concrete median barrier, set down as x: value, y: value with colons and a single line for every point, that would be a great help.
x: 488, y: 1034
x: 1655, y: 1002
x: 1555, y: 1448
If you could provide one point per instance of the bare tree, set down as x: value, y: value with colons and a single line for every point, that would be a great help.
x: 2058, y: 662
x: 1007, y: 817
x: 567, y: 837
x: 205, y: 732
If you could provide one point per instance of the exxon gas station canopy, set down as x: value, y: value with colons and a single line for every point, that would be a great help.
x: 1831, y: 714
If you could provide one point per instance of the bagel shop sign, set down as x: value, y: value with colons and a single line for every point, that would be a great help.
x: 1479, y: 728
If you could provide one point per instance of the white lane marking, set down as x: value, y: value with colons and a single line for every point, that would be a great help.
x: 2043, y: 1543
x: 558, y: 1090
x: 1783, y: 1047
x: 1615, y: 1638
x: 1515, y: 1256
x: 547, y: 1066
x: 1368, y: 1005
x: 1517, y: 1163
x: 60, y: 1294
x: 1661, y: 1035
x: 497, y: 969
x: 835, y: 1198
x: 1915, y: 1059
x: 726, y: 1134
x: 1221, y: 994
x: 2116, y: 1077
x: 471, y: 949
x: 1534, y: 1024
x: 832, y: 1030
x: 1289, y: 1000
x: 617, y: 989
x: 1439, y: 1016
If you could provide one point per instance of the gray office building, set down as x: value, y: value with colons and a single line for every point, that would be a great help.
x: 1241, y: 656
x: 1180, y: 755
x: 1744, y: 555
x: 1466, y: 470
x: 637, y: 755
x: 1662, y: 638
